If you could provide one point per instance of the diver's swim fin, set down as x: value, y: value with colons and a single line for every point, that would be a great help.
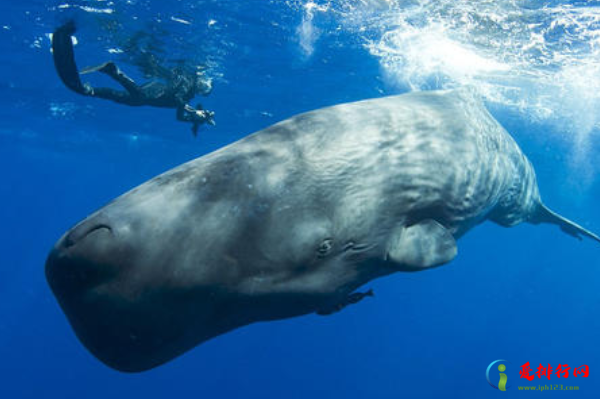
x: 545, y: 215
x: 64, y: 57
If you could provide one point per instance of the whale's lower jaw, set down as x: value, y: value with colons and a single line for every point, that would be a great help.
x: 140, y: 335
x: 135, y: 333
x: 136, y: 337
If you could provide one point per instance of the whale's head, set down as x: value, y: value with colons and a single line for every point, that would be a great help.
x: 191, y: 255
x: 128, y: 296
x: 155, y: 272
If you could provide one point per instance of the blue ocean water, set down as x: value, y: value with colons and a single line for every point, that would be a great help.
x: 525, y: 294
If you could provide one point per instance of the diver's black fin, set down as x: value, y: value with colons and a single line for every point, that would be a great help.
x: 545, y: 215
x: 64, y: 57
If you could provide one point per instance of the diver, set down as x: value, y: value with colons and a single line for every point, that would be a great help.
x: 179, y: 86
x: 353, y: 298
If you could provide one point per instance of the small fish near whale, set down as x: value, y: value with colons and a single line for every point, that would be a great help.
x: 289, y: 221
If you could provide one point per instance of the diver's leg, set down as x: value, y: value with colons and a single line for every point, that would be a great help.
x: 118, y: 96
x: 112, y: 70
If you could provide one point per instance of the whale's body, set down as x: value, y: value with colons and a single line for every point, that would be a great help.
x: 289, y: 221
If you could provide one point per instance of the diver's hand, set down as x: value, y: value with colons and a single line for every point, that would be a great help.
x: 202, y: 116
x: 88, y: 90
x: 206, y: 116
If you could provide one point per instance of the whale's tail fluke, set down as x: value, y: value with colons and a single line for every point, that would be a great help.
x: 545, y: 215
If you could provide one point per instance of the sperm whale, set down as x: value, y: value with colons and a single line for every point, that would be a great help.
x: 289, y: 221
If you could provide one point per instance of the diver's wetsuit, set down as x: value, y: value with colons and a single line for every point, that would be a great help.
x: 176, y: 93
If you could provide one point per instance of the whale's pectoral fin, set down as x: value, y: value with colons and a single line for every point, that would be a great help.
x: 422, y: 245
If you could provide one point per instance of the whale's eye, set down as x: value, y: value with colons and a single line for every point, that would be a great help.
x: 325, y: 248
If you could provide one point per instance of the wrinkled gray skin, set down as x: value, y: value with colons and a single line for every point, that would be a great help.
x: 288, y: 221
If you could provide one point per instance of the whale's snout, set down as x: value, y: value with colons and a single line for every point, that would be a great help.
x: 83, y: 257
x: 109, y: 280
x: 85, y: 270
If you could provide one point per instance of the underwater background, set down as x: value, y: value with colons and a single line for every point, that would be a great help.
x: 525, y: 294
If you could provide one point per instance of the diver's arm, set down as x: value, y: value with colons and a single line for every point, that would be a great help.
x: 188, y: 114
x: 64, y: 58
x: 197, y: 116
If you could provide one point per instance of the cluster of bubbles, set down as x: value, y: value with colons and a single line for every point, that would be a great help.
x: 135, y: 30
x: 538, y: 58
